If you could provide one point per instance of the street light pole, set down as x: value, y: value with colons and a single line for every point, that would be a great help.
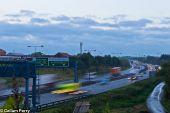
x: 38, y: 78
x: 35, y: 48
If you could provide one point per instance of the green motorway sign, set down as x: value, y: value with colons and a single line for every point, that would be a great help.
x: 52, y: 62
x: 58, y: 63
x: 42, y: 61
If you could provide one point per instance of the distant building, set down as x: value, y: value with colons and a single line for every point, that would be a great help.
x: 15, y: 54
x: 61, y: 54
x: 2, y: 52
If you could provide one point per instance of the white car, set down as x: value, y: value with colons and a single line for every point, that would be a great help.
x: 90, y: 75
x: 132, y: 78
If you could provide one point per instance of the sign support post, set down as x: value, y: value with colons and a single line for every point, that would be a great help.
x: 27, y: 91
x: 34, y: 94
x: 75, y: 72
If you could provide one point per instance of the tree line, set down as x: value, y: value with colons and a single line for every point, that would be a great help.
x: 94, y: 63
x: 154, y: 59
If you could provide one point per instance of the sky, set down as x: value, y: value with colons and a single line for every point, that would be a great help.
x: 116, y: 27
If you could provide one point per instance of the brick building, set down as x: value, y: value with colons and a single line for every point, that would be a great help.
x: 2, y: 52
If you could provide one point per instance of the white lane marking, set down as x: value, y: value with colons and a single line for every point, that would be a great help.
x: 160, y: 90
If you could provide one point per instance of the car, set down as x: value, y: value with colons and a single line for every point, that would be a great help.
x: 132, y: 78
x: 91, y: 75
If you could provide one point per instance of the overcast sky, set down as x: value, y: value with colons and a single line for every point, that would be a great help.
x: 130, y: 27
x: 102, y: 8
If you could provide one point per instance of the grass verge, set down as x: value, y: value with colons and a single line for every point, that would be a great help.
x: 166, y: 104
x: 128, y: 99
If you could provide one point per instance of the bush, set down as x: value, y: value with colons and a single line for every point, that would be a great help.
x: 106, y: 109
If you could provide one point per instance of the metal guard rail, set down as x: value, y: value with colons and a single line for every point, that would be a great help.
x: 52, y: 104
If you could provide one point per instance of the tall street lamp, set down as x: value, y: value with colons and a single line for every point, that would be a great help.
x: 38, y: 78
x: 93, y: 50
x: 35, y: 48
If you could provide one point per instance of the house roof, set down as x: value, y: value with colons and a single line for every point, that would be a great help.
x: 2, y: 50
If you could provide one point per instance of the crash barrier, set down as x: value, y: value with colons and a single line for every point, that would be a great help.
x: 55, y: 103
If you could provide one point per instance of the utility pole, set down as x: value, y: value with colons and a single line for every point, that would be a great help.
x: 81, y: 48
x: 35, y: 48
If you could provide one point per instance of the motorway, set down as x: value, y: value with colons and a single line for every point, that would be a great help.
x: 153, y: 102
x: 44, y: 79
x: 92, y: 89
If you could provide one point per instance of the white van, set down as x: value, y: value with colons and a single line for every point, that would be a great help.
x: 90, y: 75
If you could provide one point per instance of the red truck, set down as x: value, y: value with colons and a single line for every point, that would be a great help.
x: 115, y: 71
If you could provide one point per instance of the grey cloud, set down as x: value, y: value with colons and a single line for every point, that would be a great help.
x: 117, y: 17
x: 39, y: 20
x: 87, y: 22
x: 162, y: 29
x: 137, y: 24
x: 57, y: 36
x: 166, y: 20
x: 13, y: 15
x: 167, y: 17
x: 81, y: 21
x: 61, y: 18
x: 84, y: 21
x: 14, y: 20
x: 51, y: 31
x: 27, y: 13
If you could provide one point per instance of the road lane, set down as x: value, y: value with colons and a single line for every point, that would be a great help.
x: 22, y: 89
x: 92, y: 89
x: 153, y: 102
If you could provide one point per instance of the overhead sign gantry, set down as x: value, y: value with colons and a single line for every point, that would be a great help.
x: 21, y: 69
x: 52, y: 61
x: 56, y: 62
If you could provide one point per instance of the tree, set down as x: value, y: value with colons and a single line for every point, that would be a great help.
x: 16, y: 101
x: 37, y: 54
x: 164, y: 73
x: 87, y: 62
